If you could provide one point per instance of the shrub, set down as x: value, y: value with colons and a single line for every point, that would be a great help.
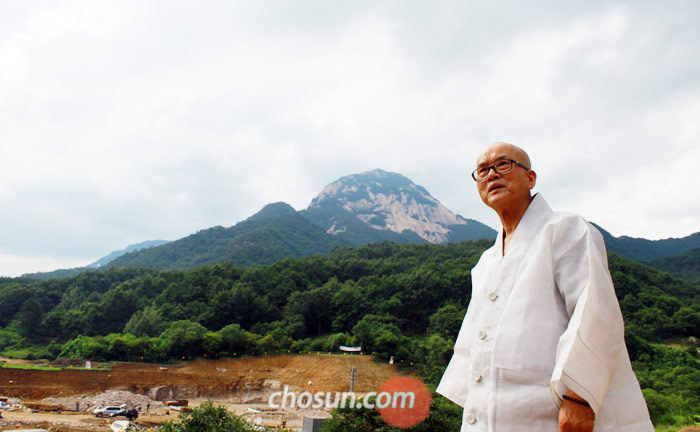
x: 207, y: 418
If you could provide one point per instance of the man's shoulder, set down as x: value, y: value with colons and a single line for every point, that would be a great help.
x: 559, y: 219
x: 565, y: 217
x: 572, y: 226
x: 569, y: 220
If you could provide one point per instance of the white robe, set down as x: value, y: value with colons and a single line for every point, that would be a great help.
x: 543, y: 319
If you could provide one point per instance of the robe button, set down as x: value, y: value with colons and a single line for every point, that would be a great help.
x: 482, y: 335
x: 477, y: 376
x: 471, y: 419
x: 493, y: 296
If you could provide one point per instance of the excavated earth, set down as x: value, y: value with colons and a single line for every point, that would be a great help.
x: 241, y: 384
x: 202, y: 378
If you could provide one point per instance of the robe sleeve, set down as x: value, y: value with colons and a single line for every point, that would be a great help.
x: 588, y: 350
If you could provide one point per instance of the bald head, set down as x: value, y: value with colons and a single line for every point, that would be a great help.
x: 503, y: 149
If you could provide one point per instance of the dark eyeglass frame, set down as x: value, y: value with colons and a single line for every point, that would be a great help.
x: 503, y: 171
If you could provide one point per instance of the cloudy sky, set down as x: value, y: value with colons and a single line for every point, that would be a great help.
x: 124, y: 121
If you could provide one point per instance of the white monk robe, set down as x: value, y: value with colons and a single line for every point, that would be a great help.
x: 543, y: 319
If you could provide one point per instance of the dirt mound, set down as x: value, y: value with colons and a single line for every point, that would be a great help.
x: 248, y: 379
x: 42, y: 406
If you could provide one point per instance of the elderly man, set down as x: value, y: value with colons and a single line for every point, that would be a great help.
x: 542, y: 345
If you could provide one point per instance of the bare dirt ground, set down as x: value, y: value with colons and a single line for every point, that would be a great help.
x: 243, y: 385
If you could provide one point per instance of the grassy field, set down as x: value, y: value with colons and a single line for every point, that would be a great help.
x: 47, y: 367
x: 687, y: 428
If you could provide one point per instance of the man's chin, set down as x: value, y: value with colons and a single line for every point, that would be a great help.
x: 496, y: 199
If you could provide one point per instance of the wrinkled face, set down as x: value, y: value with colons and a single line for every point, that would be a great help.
x: 501, y: 191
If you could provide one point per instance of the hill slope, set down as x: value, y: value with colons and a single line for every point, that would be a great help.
x: 131, y: 248
x: 686, y: 265
x: 641, y: 249
x: 275, y: 232
x: 61, y: 273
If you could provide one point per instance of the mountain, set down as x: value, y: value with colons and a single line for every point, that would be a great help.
x: 379, y: 205
x: 357, y: 209
x: 685, y: 266
x: 131, y: 248
x: 55, y: 274
x: 275, y: 232
x: 273, y: 210
x: 641, y: 249
x: 61, y: 273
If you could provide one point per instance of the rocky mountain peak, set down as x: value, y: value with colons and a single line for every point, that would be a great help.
x: 388, y: 201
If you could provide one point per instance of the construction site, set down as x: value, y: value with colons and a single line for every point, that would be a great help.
x: 63, y: 398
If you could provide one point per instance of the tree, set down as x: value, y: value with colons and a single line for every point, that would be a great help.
x: 184, y: 338
x: 233, y: 339
x: 86, y: 347
x: 74, y: 323
x: 380, y: 335
x: 29, y: 317
x: 445, y: 416
x: 447, y: 321
x: 351, y: 302
x: 435, y: 352
x: 315, y: 306
x: 116, y: 305
x: 9, y: 338
x: 12, y: 298
x: 211, y: 343
x: 146, y: 322
x: 686, y: 321
x: 241, y: 304
x: 53, y: 322
x: 208, y: 418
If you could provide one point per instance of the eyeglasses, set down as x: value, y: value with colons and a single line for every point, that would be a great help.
x: 500, y: 167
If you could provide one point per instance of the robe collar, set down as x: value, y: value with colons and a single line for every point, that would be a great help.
x: 536, y: 214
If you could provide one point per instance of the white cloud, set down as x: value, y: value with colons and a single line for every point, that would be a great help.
x: 127, y: 121
x: 14, y: 265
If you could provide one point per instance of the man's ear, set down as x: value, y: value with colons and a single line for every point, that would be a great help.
x: 531, y: 179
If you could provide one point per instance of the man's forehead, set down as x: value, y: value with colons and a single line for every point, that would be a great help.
x: 495, y: 153
x: 485, y: 159
x: 501, y: 151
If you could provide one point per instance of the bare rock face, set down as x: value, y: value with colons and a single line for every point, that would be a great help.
x: 161, y: 393
x: 388, y: 202
x: 181, y: 391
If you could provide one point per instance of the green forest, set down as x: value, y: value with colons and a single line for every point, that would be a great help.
x: 400, y: 300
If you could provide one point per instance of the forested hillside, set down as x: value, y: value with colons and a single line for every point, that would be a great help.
x: 642, y: 249
x: 264, y: 238
x: 686, y: 265
x: 399, y: 300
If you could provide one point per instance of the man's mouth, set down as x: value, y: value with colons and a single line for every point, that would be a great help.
x: 494, y: 187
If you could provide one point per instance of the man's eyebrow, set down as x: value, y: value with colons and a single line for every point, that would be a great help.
x: 501, y: 157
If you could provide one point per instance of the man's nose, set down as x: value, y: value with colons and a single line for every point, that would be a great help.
x: 492, y: 174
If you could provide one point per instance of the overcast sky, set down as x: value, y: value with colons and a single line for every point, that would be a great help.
x: 127, y: 121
